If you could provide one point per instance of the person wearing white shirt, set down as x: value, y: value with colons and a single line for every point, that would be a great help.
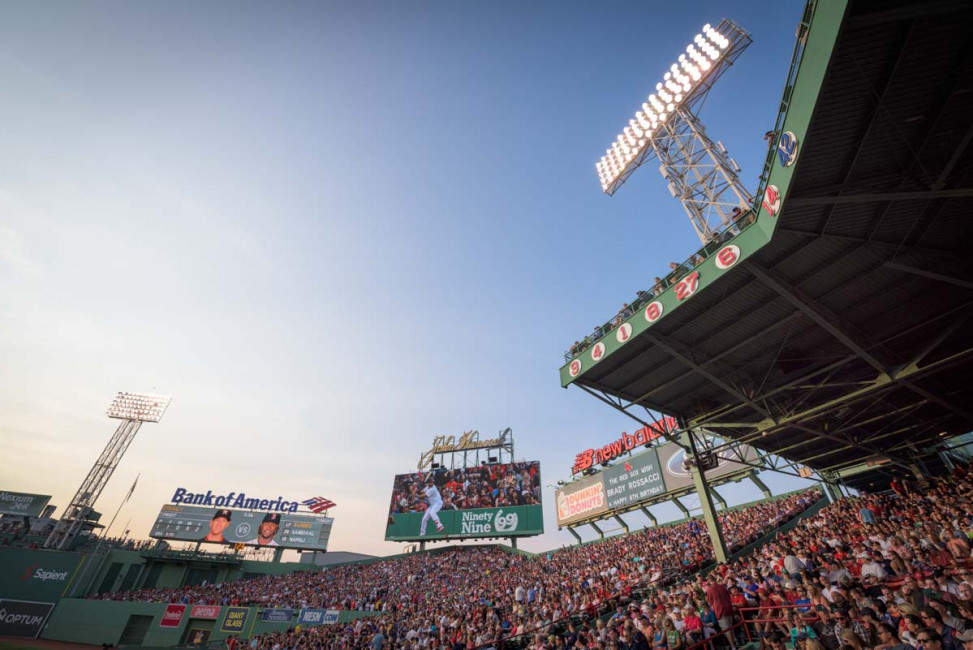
x: 435, y: 504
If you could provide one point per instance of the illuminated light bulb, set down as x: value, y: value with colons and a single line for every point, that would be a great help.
x: 678, y: 98
x: 686, y: 87
x: 682, y: 57
x: 670, y: 107
x: 674, y: 69
x: 666, y: 77
x: 706, y: 27
x: 663, y: 116
x: 705, y: 65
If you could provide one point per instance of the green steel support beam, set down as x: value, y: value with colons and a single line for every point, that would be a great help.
x: 705, y: 493
x: 718, y: 497
x: 685, y: 510
x: 621, y: 522
x: 645, y: 511
x: 760, y: 485
x: 576, y: 535
x: 600, y: 532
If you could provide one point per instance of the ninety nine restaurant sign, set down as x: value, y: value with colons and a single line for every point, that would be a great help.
x: 626, y: 443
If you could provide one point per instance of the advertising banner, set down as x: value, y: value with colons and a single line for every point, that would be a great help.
x: 277, y: 615
x: 500, y: 500
x: 228, y: 526
x: 633, y: 480
x: 236, y: 619
x: 172, y: 617
x: 672, y: 460
x: 35, y: 575
x: 583, y: 499
x: 317, y: 617
x: 205, y: 611
x: 23, y: 504
x: 457, y: 524
x: 23, y: 617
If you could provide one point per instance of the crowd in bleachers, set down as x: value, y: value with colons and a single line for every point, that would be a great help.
x: 485, y: 592
x: 889, y: 572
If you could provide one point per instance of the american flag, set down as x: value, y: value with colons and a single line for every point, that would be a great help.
x: 318, y: 504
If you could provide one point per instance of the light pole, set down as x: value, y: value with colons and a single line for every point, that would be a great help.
x: 698, y: 171
x: 132, y: 409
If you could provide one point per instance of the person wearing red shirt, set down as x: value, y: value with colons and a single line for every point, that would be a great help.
x: 718, y: 597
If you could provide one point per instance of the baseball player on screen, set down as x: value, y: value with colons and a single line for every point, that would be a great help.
x: 435, y: 501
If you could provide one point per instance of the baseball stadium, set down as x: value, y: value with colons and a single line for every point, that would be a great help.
x: 821, y: 331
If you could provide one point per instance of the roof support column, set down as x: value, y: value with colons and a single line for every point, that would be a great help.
x: 685, y: 510
x: 760, y: 485
x: 600, y: 532
x: 705, y: 493
x: 645, y: 511
x: 621, y: 522
x: 576, y: 535
x: 718, y: 498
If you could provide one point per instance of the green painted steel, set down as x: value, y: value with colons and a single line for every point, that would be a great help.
x: 804, y: 82
x: 103, y: 621
x: 483, y: 522
x: 37, y: 575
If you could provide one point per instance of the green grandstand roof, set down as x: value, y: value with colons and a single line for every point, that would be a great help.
x: 843, y: 330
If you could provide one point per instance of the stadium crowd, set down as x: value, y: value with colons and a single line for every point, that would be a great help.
x: 889, y: 572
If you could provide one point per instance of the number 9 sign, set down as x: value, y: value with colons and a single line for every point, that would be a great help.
x: 575, y: 368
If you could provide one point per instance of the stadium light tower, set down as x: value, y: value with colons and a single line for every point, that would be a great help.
x: 698, y: 171
x: 132, y: 409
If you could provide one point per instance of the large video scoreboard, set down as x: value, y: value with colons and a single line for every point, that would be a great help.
x: 495, y: 500
x: 194, y: 524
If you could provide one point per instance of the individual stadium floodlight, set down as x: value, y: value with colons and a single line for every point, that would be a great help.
x: 132, y: 409
x: 666, y: 127
x: 142, y: 407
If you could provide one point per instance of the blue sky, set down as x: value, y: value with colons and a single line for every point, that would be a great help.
x: 331, y: 231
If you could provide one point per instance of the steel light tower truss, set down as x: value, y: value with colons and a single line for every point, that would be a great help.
x: 699, y: 172
x: 132, y: 409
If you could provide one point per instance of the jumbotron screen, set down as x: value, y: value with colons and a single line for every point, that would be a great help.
x: 253, y: 528
x: 500, y: 500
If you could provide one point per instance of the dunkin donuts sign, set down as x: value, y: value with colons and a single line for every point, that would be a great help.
x: 581, y: 500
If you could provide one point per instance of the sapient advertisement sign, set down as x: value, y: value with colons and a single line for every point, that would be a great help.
x: 23, y: 504
x: 35, y: 575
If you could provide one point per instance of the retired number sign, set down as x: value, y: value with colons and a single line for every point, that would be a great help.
x: 687, y: 286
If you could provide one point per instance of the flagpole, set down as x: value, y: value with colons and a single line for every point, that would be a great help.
x: 124, y: 501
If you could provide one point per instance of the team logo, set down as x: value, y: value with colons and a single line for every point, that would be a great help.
x: 623, y: 333
x: 598, y: 351
x: 727, y: 257
x: 505, y: 523
x: 575, y: 368
x: 771, y: 200
x: 787, y: 149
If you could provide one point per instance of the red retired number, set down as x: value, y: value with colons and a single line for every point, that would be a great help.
x: 687, y: 286
x: 575, y: 368
x: 727, y: 256
x: 597, y: 352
